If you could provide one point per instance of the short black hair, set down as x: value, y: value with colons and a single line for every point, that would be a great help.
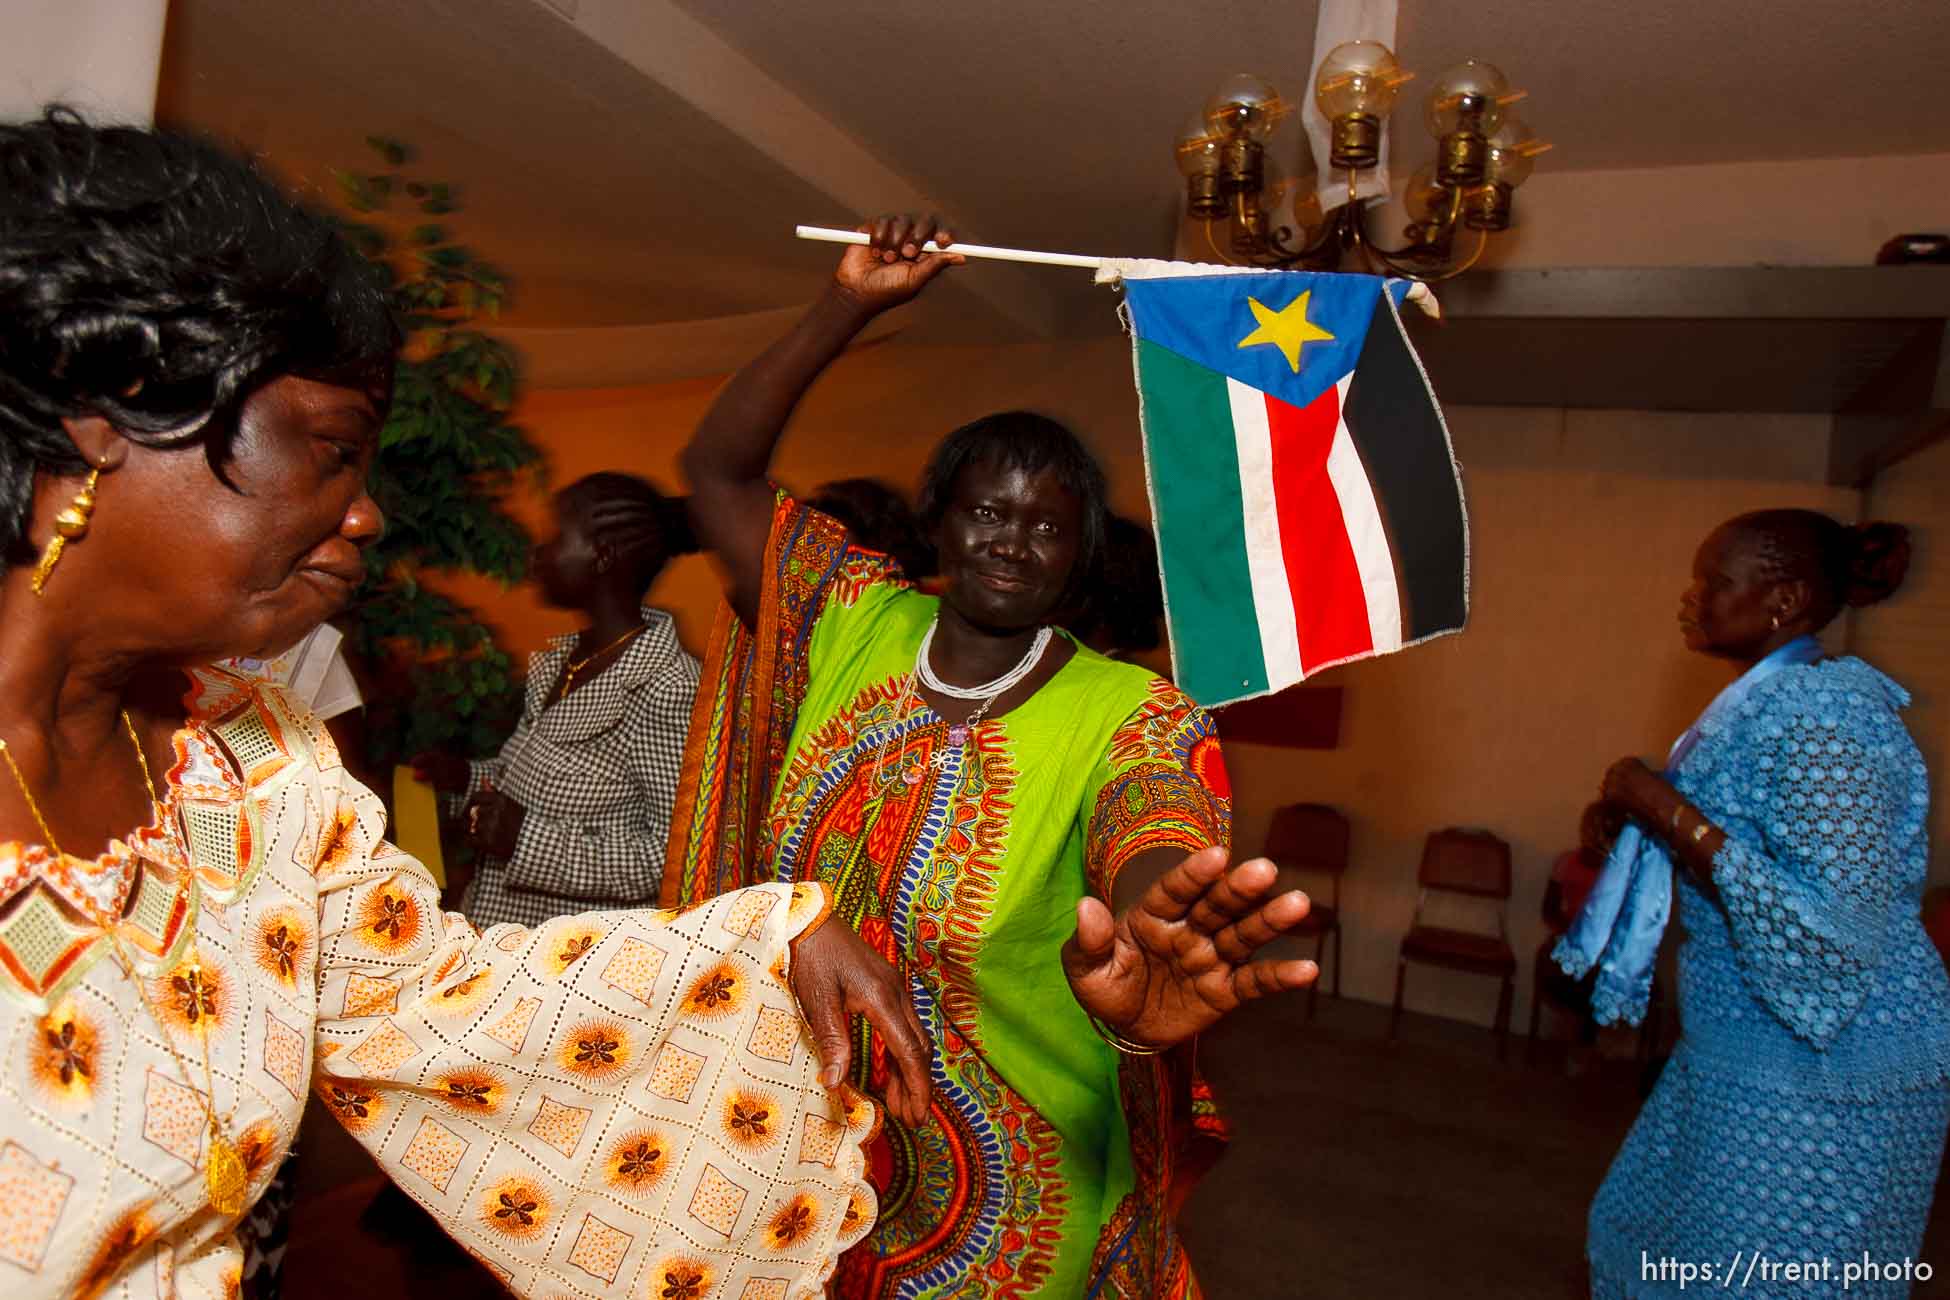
x: 643, y: 527
x: 1127, y: 597
x: 1032, y: 443
x: 1843, y: 564
x: 156, y: 280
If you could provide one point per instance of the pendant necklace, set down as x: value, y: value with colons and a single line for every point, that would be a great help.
x: 575, y: 666
x: 959, y: 733
x: 225, y: 1177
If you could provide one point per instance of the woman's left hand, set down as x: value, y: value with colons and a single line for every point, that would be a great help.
x: 1632, y: 786
x: 1181, y: 958
x: 493, y: 822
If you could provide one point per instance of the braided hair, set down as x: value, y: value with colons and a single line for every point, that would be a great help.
x: 1844, y: 565
x: 643, y: 528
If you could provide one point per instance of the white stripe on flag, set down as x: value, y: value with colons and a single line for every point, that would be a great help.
x: 1365, y: 534
x: 1252, y: 434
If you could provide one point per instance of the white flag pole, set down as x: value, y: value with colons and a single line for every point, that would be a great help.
x: 1110, y: 270
x: 831, y: 236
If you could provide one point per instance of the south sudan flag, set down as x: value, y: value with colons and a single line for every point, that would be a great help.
x: 1308, y: 505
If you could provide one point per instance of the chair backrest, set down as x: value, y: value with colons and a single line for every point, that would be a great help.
x: 1309, y: 837
x: 1466, y: 862
x: 1572, y: 878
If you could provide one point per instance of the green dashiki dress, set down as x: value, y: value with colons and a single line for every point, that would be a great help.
x: 1048, y: 1163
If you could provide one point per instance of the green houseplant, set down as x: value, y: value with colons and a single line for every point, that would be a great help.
x: 448, y: 457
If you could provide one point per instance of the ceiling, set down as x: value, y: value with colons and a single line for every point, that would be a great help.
x: 637, y: 164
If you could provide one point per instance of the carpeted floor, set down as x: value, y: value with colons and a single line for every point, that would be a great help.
x: 1361, y: 1167
x: 1417, y: 1167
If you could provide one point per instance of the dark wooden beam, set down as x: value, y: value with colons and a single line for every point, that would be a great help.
x: 1899, y: 412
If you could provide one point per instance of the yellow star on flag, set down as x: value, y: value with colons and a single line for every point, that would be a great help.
x: 1287, y: 329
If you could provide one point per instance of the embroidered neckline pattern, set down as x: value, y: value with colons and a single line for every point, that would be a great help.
x: 206, y: 845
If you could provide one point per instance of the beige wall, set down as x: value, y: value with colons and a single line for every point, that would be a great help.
x: 1908, y: 636
x: 1583, y: 523
x: 1802, y: 212
x: 1583, y: 526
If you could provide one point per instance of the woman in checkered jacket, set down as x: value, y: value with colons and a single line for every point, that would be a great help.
x: 573, y: 811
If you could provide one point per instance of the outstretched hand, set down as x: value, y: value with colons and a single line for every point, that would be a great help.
x: 893, y: 268
x: 835, y: 973
x: 1182, y: 956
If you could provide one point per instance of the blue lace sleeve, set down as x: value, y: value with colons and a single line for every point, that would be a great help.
x: 1808, y: 884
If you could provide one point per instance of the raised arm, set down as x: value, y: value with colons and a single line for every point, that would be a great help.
x: 729, y: 456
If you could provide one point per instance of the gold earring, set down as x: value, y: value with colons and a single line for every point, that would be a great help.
x: 71, y: 525
x: 1777, y: 622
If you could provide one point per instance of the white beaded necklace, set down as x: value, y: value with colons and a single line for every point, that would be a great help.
x: 959, y: 733
x: 986, y: 690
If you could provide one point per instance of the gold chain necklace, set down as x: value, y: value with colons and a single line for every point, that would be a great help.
x: 577, y: 665
x: 224, y: 1176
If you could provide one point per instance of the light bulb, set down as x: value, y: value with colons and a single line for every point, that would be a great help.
x: 1197, y: 148
x: 1513, y: 153
x: 1245, y: 105
x: 1201, y: 157
x: 1359, y: 77
x: 1468, y: 97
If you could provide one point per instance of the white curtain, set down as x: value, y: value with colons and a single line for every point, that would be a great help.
x: 99, y: 56
x: 1338, y: 22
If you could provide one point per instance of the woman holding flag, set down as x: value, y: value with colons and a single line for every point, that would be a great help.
x: 1034, y: 834
x: 1802, y: 1115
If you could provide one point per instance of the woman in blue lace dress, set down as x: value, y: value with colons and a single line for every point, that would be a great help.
x: 1802, y: 1116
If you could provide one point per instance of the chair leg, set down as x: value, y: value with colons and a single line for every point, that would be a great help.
x: 1313, y: 989
x: 1395, y: 1020
x: 1339, y: 943
x: 1503, y: 1017
x: 1536, y: 1010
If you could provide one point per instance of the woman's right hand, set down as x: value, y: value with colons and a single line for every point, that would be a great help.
x: 1598, y: 828
x: 892, y: 269
x: 447, y: 773
x: 835, y: 973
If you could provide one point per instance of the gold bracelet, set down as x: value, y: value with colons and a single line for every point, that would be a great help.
x: 1701, y: 831
x: 1121, y: 1043
x: 1672, y: 823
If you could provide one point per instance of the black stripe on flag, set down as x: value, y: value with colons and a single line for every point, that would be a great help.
x: 1391, y: 415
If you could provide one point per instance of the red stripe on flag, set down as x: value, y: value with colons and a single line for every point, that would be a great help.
x: 1330, y: 610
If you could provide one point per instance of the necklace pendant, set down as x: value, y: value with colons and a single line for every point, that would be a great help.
x: 224, y: 1176
x: 912, y: 776
x: 958, y: 734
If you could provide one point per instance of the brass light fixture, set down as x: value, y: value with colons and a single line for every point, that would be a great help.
x: 1483, y: 152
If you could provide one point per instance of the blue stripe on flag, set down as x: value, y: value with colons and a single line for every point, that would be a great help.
x: 1204, y: 317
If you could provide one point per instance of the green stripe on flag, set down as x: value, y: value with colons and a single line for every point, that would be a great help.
x: 1195, y: 497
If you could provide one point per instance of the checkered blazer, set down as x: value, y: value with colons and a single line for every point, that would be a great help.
x: 596, y: 773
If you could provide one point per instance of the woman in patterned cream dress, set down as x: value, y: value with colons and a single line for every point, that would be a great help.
x: 200, y: 925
